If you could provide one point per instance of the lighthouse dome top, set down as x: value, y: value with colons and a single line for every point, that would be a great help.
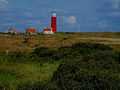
x: 54, y: 14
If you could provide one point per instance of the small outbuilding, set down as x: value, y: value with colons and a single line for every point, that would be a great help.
x: 47, y: 31
x: 31, y: 31
x: 12, y: 31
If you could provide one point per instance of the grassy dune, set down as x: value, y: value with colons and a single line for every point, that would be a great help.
x: 17, y: 43
x: 14, y: 74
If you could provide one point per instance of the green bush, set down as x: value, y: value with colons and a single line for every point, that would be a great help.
x: 81, y: 49
x: 84, y: 66
x: 46, y: 53
x: 96, y: 67
x: 74, y: 51
x: 42, y: 52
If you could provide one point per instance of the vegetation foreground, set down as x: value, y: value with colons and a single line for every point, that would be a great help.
x: 81, y: 66
x: 64, y: 61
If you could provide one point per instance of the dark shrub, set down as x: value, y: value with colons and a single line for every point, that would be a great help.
x: 42, y: 52
x: 47, y: 53
x: 18, y: 57
x: 96, y: 67
x: 70, y: 77
x: 72, y: 52
x: 82, y: 49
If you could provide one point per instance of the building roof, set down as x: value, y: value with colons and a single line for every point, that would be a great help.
x: 31, y: 30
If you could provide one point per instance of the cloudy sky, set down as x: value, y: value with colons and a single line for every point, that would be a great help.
x: 73, y: 15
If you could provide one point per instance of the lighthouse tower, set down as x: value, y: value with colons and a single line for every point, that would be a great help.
x: 53, y: 26
x: 54, y: 23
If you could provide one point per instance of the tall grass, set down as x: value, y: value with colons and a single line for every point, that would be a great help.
x: 20, y: 70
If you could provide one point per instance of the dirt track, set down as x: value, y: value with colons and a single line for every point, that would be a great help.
x: 103, y: 40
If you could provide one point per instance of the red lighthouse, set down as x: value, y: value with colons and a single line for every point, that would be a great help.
x: 53, y: 28
x: 54, y: 22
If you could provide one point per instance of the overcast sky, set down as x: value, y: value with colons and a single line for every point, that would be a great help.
x: 73, y: 15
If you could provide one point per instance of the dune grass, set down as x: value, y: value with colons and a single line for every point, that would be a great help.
x: 13, y: 74
x: 17, y: 43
